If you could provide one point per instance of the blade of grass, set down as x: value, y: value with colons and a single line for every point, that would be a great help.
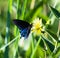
x: 17, y: 16
x: 7, y: 28
x: 2, y: 48
x: 55, y: 12
x: 32, y: 42
x: 23, y: 9
x: 33, y: 53
x: 16, y: 32
x: 54, y: 7
x: 49, y: 43
x: 33, y: 13
x: 51, y: 37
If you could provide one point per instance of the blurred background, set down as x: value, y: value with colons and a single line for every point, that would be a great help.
x: 48, y: 46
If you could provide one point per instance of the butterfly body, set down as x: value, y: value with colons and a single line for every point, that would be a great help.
x: 23, y: 26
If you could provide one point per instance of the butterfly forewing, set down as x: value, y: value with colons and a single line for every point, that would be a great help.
x: 21, y: 24
x: 24, y: 27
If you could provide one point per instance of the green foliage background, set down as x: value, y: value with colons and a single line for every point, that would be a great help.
x: 47, y: 45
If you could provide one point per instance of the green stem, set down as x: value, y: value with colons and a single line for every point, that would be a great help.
x: 32, y: 42
x: 16, y: 32
x: 33, y: 53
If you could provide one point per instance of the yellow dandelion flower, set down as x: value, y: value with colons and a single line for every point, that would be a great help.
x: 37, y: 26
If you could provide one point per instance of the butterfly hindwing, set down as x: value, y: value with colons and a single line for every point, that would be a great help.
x: 24, y: 32
x: 24, y: 27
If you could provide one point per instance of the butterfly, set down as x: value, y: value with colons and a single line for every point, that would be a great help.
x: 23, y: 26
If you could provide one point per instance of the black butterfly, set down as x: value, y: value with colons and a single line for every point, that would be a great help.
x: 23, y: 26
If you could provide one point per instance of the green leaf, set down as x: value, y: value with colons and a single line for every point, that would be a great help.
x: 40, y: 53
x: 56, y: 12
x: 57, y: 53
x: 49, y: 43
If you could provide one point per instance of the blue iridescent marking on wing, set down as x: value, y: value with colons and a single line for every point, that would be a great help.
x: 24, y: 32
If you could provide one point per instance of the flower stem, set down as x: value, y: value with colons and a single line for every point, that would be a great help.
x: 33, y: 53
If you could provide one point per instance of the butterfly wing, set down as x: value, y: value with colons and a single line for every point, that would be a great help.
x: 21, y: 24
x: 25, y: 32
x: 24, y: 27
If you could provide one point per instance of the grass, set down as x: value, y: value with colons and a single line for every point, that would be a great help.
x: 45, y: 45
